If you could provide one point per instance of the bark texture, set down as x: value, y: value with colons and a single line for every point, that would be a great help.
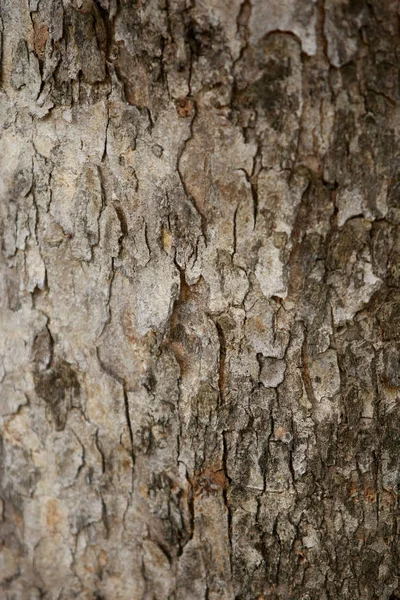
x: 200, y: 299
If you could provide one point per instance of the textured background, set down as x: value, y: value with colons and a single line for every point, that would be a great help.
x: 200, y: 299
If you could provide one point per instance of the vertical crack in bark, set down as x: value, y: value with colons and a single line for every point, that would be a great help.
x: 203, y: 219
x: 98, y: 446
x: 320, y: 30
x: 306, y: 372
x: 296, y: 276
x: 226, y: 498
x: 234, y: 232
x: 252, y: 180
x: 122, y: 221
x: 222, y: 380
x: 290, y: 451
x: 104, y: 516
x: 268, y: 450
x: 128, y: 422
x: 190, y: 505
x: 377, y: 453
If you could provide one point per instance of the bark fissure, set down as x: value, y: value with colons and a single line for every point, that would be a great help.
x: 199, y: 307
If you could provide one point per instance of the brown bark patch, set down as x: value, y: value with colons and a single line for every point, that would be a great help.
x: 53, y: 515
x: 184, y: 108
x: 40, y: 38
x: 210, y: 481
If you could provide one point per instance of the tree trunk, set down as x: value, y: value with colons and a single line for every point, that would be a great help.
x: 200, y: 299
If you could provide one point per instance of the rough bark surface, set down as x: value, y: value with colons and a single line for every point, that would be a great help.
x: 200, y: 299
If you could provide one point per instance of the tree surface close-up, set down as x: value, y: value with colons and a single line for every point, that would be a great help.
x: 200, y: 299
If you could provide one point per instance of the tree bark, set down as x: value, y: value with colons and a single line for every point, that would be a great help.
x: 200, y: 299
